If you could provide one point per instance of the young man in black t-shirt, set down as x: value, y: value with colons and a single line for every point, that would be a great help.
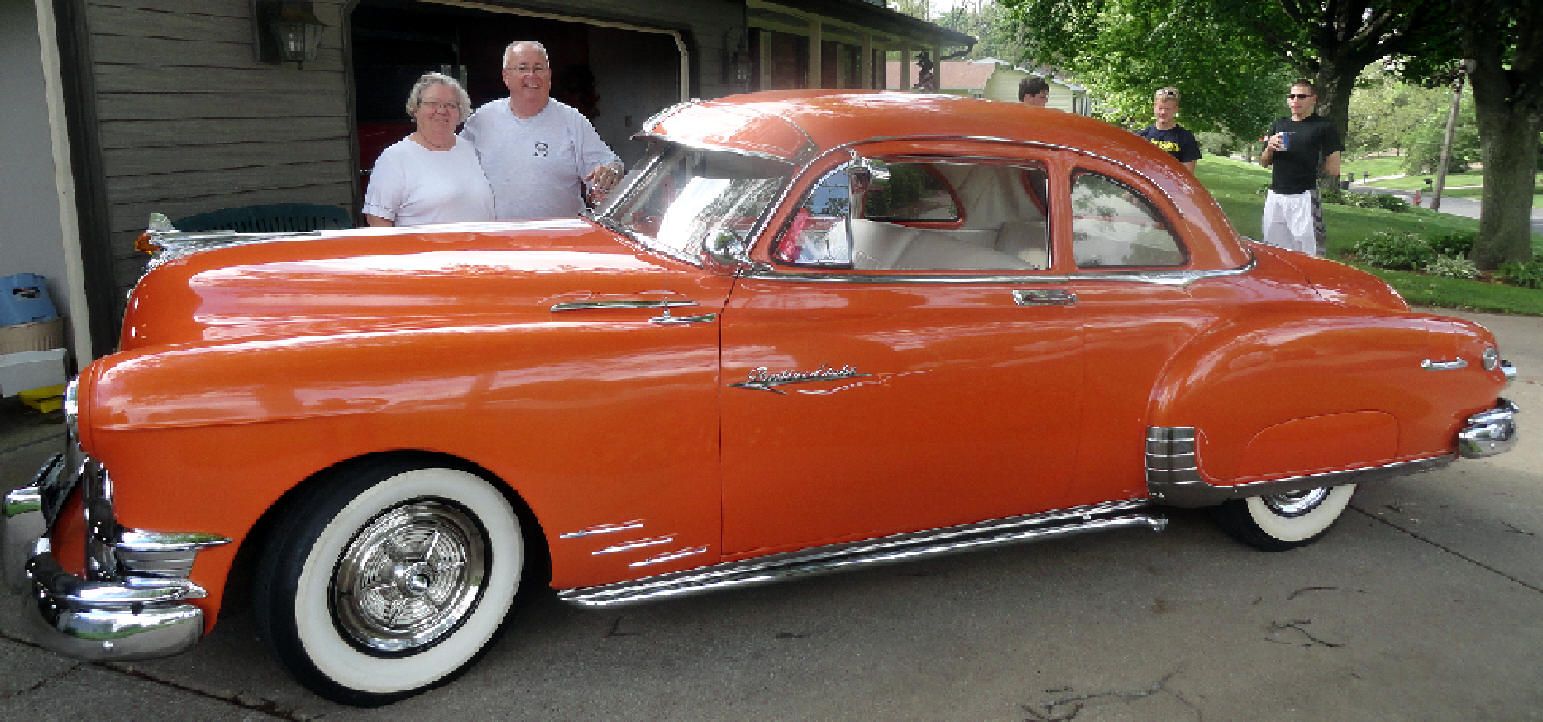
x: 1297, y: 149
x: 1166, y: 133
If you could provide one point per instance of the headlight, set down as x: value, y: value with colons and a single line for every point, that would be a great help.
x: 1491, y: 359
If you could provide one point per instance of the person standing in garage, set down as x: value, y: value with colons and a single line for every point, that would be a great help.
x: 542, y: 156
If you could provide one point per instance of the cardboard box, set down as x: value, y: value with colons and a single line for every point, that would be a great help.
x: 37, y: 336
x: 28, y: 370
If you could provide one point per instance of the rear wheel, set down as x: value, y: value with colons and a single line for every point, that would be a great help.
x: 1284, y: 521
x: 388, y: 580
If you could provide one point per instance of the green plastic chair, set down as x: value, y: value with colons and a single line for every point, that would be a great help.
x: 273, y: 218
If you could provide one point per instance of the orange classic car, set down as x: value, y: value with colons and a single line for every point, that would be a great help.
x: 808, y: 332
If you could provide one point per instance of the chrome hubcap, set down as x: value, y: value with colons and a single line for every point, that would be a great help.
x: 1297, y: 503
x: 410, y: 576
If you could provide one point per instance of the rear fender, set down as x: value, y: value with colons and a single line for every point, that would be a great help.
x: 1297, y: 389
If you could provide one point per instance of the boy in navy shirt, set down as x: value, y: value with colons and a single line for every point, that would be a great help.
x: 1166, y: 133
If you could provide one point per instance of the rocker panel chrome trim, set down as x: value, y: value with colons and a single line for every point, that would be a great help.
x: 896, y: 548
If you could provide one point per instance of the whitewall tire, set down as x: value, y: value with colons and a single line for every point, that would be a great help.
x: 388, y: 579
x: 1284, y: 521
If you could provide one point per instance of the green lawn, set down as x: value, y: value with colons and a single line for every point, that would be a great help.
x: 1374, y: 167
x: 1236, y: 186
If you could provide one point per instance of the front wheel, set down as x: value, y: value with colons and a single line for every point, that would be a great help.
x: 1284, y: 521
x: 387, y: 580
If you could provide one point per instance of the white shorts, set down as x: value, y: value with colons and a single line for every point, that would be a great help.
x: 1291, y: 220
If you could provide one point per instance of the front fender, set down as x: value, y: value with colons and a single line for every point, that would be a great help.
x: 590, y: 422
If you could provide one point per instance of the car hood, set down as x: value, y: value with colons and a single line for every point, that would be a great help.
x: 382, y: 279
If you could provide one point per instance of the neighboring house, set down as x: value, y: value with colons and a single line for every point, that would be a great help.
x: 122, y: 109
x: 994, y: 79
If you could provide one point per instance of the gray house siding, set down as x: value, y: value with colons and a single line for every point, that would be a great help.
x: 187, y: 121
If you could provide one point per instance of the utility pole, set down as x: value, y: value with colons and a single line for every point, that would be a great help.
x: 1446, y: 144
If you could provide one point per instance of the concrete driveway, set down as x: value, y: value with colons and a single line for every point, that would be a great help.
x: 1425, y: 602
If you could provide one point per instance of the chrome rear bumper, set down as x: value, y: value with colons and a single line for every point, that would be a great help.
x: 1490, y: 432
x: 132, y: 602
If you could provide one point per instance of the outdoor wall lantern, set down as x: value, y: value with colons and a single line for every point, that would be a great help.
x: 737, y: 66
x: 285, y: 31
x: 735, y: 59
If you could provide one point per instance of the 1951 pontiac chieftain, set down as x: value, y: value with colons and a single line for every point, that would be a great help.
x: 807, y: 332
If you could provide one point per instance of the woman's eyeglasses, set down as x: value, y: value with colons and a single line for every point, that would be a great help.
x: 439, y: 106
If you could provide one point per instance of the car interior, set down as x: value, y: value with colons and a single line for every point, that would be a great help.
x: 934, y: 216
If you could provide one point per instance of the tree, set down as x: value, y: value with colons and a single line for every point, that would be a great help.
x: 1426, y: 139
x: 1386, y: 113
x: 1331, y: 41
x: 1123, y: 50
x: 1504, y: 41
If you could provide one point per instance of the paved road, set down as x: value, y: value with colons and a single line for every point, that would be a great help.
x: 1423, y: 604
x: 1466, y: 207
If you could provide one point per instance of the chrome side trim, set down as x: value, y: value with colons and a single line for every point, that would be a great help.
x: 1454, y: 365
x: 1489, y: 432
x: 1200, y: 493
x: 1161, y: 278
x: 1171, y: 457
x: 665, y: 319
x: 603, y: 529
x: 895, y: 548
x: 585, y: 305
x: 1173, y: 473
x: 631, y: 545
x: 669, y: 556
x: 161, y: 554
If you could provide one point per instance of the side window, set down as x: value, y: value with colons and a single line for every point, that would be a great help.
x: 923, y: 216
x: 817, y: 234
x: 1114, y: 225
x: 913, y: 192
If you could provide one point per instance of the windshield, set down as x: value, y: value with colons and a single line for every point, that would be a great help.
x: 685, y: 196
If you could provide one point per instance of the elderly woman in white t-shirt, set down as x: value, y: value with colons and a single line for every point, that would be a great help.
x: 430, y: 176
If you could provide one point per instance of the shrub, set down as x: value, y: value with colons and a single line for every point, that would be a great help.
x: 1526, y: 275
x: 1455, y: 244
x: 1384, y: 201
x: 1452, y: 267
x: 1398, y: 251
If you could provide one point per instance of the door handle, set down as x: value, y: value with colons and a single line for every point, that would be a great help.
x: 1045, y: 297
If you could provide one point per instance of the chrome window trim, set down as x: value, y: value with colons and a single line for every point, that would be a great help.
x: 765, y: 272
x: 1162, y: 278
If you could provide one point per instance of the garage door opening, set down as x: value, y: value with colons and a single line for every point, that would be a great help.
x: 615, y: 76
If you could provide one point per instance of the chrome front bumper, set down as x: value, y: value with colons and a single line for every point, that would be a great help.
x: 1490, y: 432
x: 131, y: 604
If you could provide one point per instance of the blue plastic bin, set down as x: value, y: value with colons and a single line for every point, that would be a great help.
x: 24, y: 299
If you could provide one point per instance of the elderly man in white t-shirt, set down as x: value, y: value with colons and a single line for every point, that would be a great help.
x: 539, y: 153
